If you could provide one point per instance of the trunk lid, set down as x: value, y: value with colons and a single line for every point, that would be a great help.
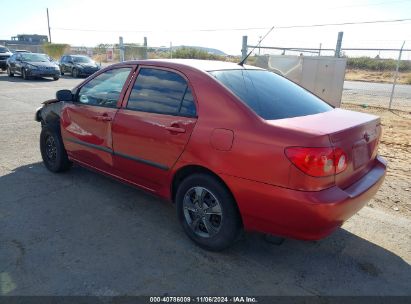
x: 357, y: 134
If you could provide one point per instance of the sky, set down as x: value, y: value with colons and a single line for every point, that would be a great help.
x: 213, y: 23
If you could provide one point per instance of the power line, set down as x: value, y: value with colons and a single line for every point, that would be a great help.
x: 369, y: 4
x: 344, y: 23
x: 240, y: 29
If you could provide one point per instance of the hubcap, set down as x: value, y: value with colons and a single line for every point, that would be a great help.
x: 51, y: 149
x: 202, y: 212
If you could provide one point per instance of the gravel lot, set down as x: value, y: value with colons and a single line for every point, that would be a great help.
x: 80, y: 233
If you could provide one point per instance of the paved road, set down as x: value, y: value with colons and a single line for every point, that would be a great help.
x: 377, y: 94
x: 80, y: 233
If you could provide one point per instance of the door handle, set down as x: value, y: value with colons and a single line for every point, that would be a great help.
x: 175, y: 129
x: 103, y: 117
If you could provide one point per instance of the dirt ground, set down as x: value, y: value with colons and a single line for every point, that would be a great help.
x: 395, y: 146
x: 376, y: 76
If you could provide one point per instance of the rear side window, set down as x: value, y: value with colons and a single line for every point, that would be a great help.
x: 270, y: 95
x: 164, y: 92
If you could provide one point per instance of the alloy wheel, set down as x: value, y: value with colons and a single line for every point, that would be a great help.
x: 202, y: 212
x: 51, y: 149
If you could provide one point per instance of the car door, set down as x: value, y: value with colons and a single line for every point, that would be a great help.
x: 67, y: 65
x: 11, y: 62
x: 153, y: 127
x: 63, y: 61
x: 16, y: 64
x: 86, y: 123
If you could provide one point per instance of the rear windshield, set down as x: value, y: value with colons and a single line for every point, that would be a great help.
x: 3, y: 49
x: 269, y: 95
x: 82, y: 60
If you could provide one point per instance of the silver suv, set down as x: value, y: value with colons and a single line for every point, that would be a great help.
x: 4, y: 55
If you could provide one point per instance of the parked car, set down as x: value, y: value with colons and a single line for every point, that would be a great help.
x: 21, y: 51
x: 78, y: 65
x: 234, y: 147
x: 32, y: 65
x: 4, y: 55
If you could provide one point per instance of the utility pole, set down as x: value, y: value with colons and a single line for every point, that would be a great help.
x: 171, y: 49
x: 48, y: 25
x: 338, y: 46
x: 319, y: 50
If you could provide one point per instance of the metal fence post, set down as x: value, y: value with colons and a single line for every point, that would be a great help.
x: 145, y: 48
x: 339, y: 43
x: 396, y: 75
x: 121, y: 47
x: 244, y: 48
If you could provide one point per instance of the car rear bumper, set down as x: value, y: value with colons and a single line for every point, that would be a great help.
x: 299, y: 214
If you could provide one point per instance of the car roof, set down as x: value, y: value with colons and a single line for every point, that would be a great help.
x: 204, y: 65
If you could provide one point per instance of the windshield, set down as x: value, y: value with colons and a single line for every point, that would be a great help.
x: 269, y: 95
x: 4, y: 49
x: 82, y: 60
x: 30, y: 57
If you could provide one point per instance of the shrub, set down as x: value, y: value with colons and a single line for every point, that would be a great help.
x: 376, y: 64
x: 55, y: 50
x: 193, y: 53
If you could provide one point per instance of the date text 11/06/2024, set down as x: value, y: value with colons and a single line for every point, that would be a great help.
x: 206, y: 299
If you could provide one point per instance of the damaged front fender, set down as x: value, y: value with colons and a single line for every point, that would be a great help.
x: 49, y: 112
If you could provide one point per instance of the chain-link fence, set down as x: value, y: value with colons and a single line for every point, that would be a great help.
x: 370, y: 80
x: 373, y: 81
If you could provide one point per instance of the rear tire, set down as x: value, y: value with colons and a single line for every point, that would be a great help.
x: 9, y: 73
x: 208, y: 212
x: 56, y: 78
x: 52, y: 150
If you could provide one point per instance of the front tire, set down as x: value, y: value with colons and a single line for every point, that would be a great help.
x: 74, y: 73
x: 208, y: 212
x: 9, y: 73
x: 24, y: 74
x: 56, y: 78
x: 52, y: 150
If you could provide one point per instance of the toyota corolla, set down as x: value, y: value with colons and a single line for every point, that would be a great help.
x: 234, y: 147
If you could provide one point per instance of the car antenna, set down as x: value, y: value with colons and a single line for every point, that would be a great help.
x: 261, y: 40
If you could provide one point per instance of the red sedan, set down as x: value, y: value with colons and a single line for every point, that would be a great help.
x: 234, y: 147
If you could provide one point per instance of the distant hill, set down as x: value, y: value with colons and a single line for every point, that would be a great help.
x: 205, y: 49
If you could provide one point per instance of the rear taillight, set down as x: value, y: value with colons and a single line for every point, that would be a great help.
x: 318, y: 162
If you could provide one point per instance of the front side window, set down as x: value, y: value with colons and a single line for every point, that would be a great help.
x: 270, y: 95
x: 159, y: 91
x: 105, y: 89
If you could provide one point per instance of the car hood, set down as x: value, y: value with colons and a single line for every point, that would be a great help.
x: 42, y: 64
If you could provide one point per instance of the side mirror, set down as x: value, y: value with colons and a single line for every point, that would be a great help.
x: 64, y: 95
